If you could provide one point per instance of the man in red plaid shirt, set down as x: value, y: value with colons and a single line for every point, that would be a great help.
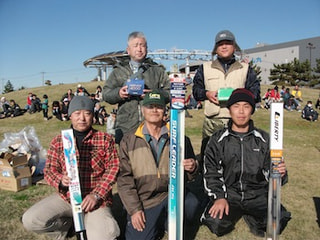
x: 98, y: 165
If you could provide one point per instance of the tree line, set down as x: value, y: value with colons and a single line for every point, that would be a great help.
x: 296, y: 72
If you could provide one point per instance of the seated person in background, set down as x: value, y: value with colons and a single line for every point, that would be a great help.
x: 68, y: 95
x: 318, y: 103
x: 111, y: 122
x: 97, y: 107
x: 56, y: 110
x: 64, y: 110
x: 28, y: 106
x: 266, y: 99
x: 275, y: 95
x: 98, y: 94
x: 14, y: 109
x: 272, y: 95
x: 102, y: 116
x: 5, y: 106
x: 93, y: 98
x: 297, y: 96
x: 288, y: 101
x: 35, y: 104
x: 309, y: 113
x: 81, y: 91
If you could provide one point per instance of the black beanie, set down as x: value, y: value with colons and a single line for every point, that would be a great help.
x: 242, y: 95
x: 80, y: 103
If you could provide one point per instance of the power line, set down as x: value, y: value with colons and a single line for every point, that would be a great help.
x: 37, y: 74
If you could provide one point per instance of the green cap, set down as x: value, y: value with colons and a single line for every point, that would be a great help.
x: 154, y: 97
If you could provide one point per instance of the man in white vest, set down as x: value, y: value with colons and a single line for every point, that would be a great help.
x: 215, y: 80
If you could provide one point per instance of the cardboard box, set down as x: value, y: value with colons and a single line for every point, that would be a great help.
x: 15, y: 173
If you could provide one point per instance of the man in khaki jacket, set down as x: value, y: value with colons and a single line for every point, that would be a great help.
x: 144, y: 168
x: 215, y: 80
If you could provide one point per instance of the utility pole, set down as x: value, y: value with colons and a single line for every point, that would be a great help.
x: 310, y: 46
x: 43, y: 78
x: 2, y: 86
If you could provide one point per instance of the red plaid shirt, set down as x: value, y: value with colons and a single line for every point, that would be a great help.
x: 98, y: 165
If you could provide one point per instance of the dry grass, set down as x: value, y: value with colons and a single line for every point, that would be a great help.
x: 301, y: 152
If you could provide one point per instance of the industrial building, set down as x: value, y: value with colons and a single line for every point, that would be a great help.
x: 265, y: 56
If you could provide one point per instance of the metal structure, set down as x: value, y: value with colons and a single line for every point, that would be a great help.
x: 104, y: 62
x: 310, y: 46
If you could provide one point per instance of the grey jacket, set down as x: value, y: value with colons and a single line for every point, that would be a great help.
x: 129, y: 115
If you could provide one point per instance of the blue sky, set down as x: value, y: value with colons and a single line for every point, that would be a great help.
x: 57, y: 36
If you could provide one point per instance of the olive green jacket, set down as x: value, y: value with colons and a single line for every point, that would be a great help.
x: 129, y: 113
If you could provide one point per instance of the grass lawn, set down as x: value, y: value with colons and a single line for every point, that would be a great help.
x: 301, y: 153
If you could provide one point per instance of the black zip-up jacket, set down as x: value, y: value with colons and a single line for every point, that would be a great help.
x: 236, y: 167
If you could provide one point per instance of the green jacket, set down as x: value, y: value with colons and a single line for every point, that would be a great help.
x: 129, y: 114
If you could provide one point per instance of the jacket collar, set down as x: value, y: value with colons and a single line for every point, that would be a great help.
x: 252, y: 130
x: 251, y: 126
x: 232, y: 65
x: 139, y: 131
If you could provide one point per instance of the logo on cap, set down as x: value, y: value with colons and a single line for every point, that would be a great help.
x: 154, y: 96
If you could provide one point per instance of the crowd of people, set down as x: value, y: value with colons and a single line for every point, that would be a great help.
x: 292, y: 101
x: 60, y: 107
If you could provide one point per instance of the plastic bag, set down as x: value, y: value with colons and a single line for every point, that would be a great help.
x: 23, y: 142
x: 26, y: 142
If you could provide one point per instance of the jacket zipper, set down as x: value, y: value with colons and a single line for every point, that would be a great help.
x: 240, y: 179
x: 139, y: 112
x: 156, y: 162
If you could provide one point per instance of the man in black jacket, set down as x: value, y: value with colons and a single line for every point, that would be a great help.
x: 236, y: 172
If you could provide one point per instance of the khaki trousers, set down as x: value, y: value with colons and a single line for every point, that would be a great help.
x: 53, y: 216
